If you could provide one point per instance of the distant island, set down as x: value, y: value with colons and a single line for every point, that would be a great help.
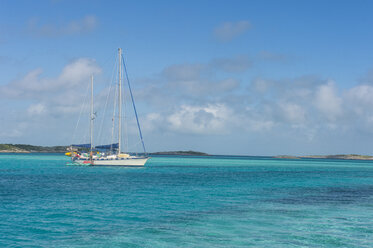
x: 339, y: 156
x: 22, y: 148
x: 287, y: 157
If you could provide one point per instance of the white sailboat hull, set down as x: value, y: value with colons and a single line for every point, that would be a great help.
x: 136, y: 162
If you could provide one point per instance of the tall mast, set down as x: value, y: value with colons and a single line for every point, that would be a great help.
x: 120, y: 99
x: 91, y: 119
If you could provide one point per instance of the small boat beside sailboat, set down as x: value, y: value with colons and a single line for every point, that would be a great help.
x: 111, y: 154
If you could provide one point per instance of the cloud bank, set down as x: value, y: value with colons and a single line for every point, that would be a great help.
x: 203, y: 100
x: 306, y: 109
x: 52, y: 94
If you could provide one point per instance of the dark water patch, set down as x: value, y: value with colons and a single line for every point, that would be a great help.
x: 329, y: 195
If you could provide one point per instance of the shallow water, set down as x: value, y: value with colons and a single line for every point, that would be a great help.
x: 217, y: 201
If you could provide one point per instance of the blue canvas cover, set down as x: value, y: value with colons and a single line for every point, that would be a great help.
x: 108, y: 147
x: 82, y: 145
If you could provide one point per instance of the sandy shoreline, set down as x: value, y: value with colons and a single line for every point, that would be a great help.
x: 14, y: 151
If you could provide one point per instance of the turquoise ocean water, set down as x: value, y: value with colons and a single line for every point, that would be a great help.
x: 217, y: 201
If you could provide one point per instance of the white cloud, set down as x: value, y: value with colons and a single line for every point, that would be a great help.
x: 54, y: 96
x: 208, y: 119
x: 11, y: 133
x: 271, y: 56
x: 183, y: 71
x: 358, y: 101
x: 33, y: 85
x: 328, y: 102
x: 361, y: 97
x: 294, y: 113
x: 14, y: 130
x: 260, y: 125
x: 254, y: 120
x: 261, y: 85
x: 203, y: 87
x: 153, y: 122
x: 78, y: 71
x: 300, y: 88
x: 36, y: 109
x: 192, y: 80
x: 228, y: 31
x: 85, y: 25
x: 233, y: 65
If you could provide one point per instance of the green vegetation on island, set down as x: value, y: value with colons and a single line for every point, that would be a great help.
x: 22, y: 148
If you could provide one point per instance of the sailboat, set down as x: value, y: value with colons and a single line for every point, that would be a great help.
x: 109, y: 155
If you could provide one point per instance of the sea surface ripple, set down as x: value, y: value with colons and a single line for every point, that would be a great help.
x: 216, y: 201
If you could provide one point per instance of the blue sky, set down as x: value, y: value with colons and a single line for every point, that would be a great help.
x: 223, y: 77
